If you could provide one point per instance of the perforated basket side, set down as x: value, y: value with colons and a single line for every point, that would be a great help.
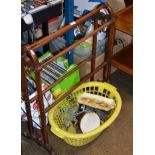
x: 98, y: 88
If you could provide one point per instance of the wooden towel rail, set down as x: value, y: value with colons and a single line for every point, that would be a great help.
x: 29, y: 59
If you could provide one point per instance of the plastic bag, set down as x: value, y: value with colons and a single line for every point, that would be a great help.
x: 47, y: 99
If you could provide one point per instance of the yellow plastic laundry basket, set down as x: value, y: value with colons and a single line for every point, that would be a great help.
x: 79, y: 139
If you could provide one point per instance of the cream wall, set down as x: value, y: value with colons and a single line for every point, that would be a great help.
x: 116, y: 4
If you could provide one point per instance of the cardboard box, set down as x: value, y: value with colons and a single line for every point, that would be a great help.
x: 53, y: 24
x: 87, y: 67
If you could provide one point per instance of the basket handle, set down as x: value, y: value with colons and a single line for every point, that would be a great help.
x: 109, y: 85
x: 57, y: 132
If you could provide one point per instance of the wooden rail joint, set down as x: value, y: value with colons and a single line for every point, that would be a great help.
x: 29, y: 57
x: 110, y: 11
